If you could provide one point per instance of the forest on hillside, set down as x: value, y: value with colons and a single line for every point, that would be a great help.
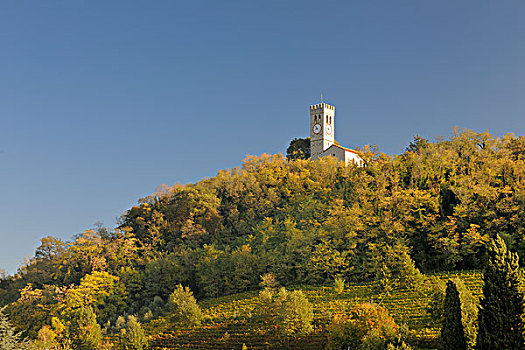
x: 432, y: 208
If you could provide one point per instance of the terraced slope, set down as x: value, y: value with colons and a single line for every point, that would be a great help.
x: 231, y: 321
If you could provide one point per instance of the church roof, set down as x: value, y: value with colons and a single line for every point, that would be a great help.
x: 344, y: 148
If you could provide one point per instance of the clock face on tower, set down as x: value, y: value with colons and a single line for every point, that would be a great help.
x: 328, y: 129
x: 316, y: 128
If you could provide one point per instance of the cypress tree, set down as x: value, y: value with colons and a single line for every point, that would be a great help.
x: 500, y: 316
x: 452, y: 332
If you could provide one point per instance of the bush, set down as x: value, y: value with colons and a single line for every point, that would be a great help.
x: 184, y: 306
x: 339, y: 285
x: 401, y: 346
x: 296, y: 314
x: 268, y: 282
x: 365, y: 326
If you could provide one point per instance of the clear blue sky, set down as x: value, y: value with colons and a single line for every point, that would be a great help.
x: 102, y: 101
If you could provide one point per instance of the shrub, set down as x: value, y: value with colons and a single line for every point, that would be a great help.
x: 268, y: 282
x: 365, y: 326
x: 120, y: 322
x: 184, y: 306
x: 401, y: 346
x: 339, y: 285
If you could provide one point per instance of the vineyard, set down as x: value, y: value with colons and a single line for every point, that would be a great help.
x: 232, y: 321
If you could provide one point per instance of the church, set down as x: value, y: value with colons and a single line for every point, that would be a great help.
x: 322, y: 139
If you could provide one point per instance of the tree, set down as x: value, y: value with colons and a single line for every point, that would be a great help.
x: 52, y: 337
x: 184, y: 306
x: 133, y: 337
x: 99, y: 291
x: 417, y: 145
x: 452, y: 334
x: 84, y: 330
x: 9, y: 338
x: 298, y: 149
x: 469, y: 307
x: 296, y: 314
x: 161, y: 275
x: 500, y: 316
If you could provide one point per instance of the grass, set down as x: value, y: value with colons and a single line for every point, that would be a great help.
x: 231, y: 321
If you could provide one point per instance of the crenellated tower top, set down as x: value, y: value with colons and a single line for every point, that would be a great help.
x: 321, y: 106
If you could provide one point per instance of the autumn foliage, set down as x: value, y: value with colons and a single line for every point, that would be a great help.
x: 431, y: 208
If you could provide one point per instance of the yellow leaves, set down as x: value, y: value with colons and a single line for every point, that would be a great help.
x: 29, y: 294
x: 93, y: 289
x: 263, y: 163
x: 474, y: 237
x: 246, y: 248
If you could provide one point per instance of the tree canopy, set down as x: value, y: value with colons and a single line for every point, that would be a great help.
x: 431, y: 208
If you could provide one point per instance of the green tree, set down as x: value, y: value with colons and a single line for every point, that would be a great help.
x: 184, y: 307
x: 469, y: 307
x: 296, y: 314
x: 133, y: 337
x: 161, y: 275
x: 298, y: 149
x: 452, y: 334
x: 84, y: 331
x: 9, y: 338
x: 500, y: 316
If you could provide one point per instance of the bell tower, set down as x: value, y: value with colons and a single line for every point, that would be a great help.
x: 321, y: 128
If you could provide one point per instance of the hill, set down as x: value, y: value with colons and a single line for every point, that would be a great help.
x: 430, y: 209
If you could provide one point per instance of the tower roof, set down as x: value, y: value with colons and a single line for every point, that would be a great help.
x: 322, y: 105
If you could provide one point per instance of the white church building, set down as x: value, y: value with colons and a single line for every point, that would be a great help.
x: 322, y: 139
